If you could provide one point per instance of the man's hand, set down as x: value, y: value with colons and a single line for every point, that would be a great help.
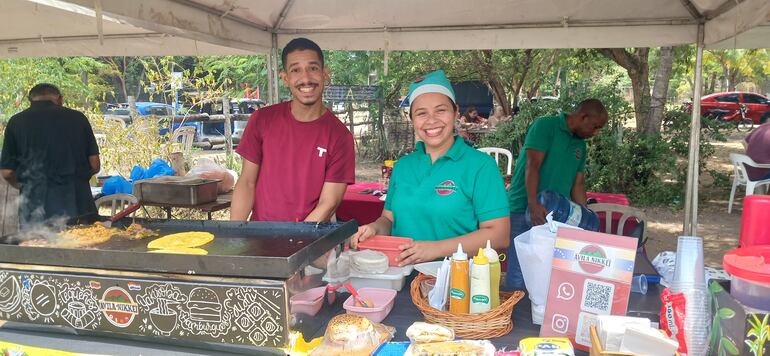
x: 537, y: 213
x: 364, y: 232
x: 418, y: 252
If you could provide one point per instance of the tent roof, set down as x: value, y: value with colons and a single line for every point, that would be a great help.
x: 202, y: 27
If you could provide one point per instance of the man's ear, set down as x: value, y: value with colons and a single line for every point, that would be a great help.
x: 282, y: 75
x: 327, y: 78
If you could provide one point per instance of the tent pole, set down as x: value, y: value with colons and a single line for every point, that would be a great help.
x: 691, y: 198
x: 269, y: 64
x: 274, y: 69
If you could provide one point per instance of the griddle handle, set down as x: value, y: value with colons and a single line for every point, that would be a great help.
x: 131, y: 208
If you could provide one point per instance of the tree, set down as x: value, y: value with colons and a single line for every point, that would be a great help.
x: 649, y: 113
x: 660, y: 91
x: 636, y: 64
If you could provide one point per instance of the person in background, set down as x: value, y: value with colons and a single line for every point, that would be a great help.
x: 553, y: 158
x: 758, y: 149
x: 471, y: 116
x: 444, y: 193
x: 49, y: 154
x: 298, y: 158
x: 496, y: 117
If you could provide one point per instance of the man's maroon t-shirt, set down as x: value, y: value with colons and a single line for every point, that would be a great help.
x: 295, y: 159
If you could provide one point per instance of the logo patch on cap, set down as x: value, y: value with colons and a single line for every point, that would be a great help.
x: 419, y: 79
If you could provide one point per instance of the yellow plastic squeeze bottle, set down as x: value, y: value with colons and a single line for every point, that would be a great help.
x: 480, y: 283
x: 459, y: 288
x: 494, y: 276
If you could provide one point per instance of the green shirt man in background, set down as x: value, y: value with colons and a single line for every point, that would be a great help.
x: 553, y: 158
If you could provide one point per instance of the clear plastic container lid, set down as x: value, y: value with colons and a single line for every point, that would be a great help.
x: 749, y: 263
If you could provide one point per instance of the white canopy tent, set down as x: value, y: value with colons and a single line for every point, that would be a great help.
x: 209, y: 27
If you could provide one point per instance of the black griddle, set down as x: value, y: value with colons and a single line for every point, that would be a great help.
x: 240, y: 249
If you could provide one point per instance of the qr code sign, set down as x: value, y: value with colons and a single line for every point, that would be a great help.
x: 597, y: 297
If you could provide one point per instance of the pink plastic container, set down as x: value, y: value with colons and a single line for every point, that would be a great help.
x: 383, y: 300
x: 385, y: 244
x: 308, y: 302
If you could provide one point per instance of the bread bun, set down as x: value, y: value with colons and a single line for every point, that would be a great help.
x: 420, y: 332
x: 346, y: 328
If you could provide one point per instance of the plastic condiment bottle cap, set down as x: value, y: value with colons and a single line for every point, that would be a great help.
x: 480, y: 258
x: 459, y: 255
x: 491, y: 253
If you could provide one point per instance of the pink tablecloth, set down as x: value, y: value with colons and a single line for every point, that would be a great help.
x: 366, y: 208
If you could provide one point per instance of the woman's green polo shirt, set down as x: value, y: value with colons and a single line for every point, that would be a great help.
x: 445, y: 199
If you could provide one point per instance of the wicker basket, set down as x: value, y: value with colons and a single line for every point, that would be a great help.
x: 494, y: 323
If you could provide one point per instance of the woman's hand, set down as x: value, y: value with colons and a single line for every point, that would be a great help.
x: 418, y: 252
x: 364, y: 232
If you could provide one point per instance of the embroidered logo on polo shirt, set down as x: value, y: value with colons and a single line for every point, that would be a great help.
x: 446, y: 187
x: 578, y: 153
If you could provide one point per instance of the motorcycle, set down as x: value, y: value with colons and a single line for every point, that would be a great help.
x: 742, y: 122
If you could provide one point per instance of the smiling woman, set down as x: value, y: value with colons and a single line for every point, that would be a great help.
x: 445, y: 193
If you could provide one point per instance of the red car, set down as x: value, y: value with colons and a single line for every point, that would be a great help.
x: 758, y: 105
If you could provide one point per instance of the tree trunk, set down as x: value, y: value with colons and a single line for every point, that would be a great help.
x: 485, y: 60
x: 518, y: 84
x: 637, y: 66
x: 711, y: 83
x: 539, y: 81
x: 660, y: 91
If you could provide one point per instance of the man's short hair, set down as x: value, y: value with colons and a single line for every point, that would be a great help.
x: 43, y: 89
x: 593, y: 107
x: 301, y: 44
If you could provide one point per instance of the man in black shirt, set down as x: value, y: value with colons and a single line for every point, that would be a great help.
x: 50, y: 153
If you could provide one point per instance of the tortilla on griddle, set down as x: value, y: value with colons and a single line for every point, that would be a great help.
x: 184, y: 251
x: 182, y: 240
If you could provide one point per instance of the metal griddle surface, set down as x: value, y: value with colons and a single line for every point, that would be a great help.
x: 239, y: 249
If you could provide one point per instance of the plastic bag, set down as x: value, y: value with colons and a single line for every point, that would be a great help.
x: 665, y: 263
x: 672, y: 317
x: 349, y: 334
x: 157, y: 168
x: 535, y: 251
x: 207, y: 168
x: 117, y: 184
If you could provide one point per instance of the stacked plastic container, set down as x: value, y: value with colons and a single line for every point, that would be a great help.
x: 689, y: 279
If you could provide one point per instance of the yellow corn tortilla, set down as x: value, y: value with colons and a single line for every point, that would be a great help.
x: 182, y: 240
x: 183, y: 250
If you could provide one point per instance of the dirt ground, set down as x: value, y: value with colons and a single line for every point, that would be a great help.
x: 719, y: 229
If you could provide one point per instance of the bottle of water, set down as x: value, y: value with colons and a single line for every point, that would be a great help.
x: 566, y: 211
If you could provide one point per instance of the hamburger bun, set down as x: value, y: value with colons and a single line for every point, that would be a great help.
x: 347, y: 328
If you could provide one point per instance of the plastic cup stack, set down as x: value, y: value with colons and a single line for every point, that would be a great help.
x: 690, y: 279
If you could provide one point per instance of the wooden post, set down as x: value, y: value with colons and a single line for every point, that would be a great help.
x: 132, y: 110
x: 228, y: 129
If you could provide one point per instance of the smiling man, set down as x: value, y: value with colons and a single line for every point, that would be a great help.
x: 298, y: 158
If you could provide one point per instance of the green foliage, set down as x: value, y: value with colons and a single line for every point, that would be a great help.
x: 121, y: 148
x: 20, y: 75
x: 759, y: 334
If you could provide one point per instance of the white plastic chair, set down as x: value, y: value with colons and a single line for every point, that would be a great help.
x: 116, y: 202
x: 496, y: 151
x: 187, y: 136
x: 626, y: 212
x: 740, y: 177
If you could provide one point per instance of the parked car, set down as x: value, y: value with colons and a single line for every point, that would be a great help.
x: 758, y: 105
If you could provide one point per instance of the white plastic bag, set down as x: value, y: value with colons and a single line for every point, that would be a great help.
x: 535, y: 251
x: 207, y: 168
